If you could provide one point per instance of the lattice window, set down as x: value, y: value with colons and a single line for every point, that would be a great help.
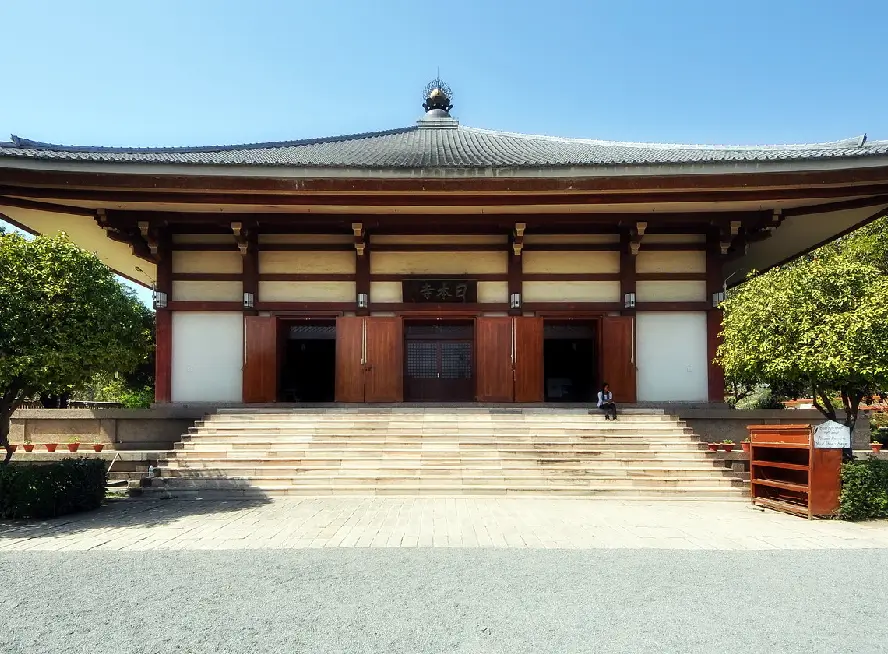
x: 422, y: 359
x: 456, y: 360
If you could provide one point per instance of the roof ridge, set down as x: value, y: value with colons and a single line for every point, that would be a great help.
x: 23, y: 143
x: 852, y: 142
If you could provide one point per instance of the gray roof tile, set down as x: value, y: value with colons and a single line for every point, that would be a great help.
x: 445, y: 147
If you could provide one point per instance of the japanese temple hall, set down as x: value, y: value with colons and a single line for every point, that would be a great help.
x: 439, y: 262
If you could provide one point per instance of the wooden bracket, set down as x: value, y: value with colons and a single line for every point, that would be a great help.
x: 240, y: 236
x: 149, y: 234
x: 360, y: 243
x: 518, y: 238
x: 635, y: 236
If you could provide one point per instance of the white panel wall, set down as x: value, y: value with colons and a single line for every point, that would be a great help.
x: 571, y: 291
x: 208, y: 356
x: 675, y: 291
x: 671, y: 357
x: 207, y: 291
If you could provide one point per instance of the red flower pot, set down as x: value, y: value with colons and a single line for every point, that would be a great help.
x: 13, y: 447
x: 713, y: 447
x: 98, y: 446
x: 877, y: 447
x: 746, y: 447
x: 72, y: 447
x: 728, y: 447
x: 50, y: 447
x: 29, y: 447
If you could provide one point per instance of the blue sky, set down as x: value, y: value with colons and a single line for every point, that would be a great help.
x: 202, y: 72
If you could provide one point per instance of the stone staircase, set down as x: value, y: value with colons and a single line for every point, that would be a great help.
x: 444, y: 451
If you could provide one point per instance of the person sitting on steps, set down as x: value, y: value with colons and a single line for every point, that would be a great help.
x: 606, y: 402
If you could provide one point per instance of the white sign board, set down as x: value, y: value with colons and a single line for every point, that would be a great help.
x: 832, y: 435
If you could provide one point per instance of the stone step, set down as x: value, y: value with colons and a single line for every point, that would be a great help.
x: 444, y: 463
x: 438, y: 420
x: 198, y: 481
x: 455, y: 472
x: 649, y: 494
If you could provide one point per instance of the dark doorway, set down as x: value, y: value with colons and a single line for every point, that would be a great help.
x: 308, y: 366
x: 439, y: 364
x: 570, y: 361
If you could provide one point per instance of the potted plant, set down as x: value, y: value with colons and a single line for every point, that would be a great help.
x: 98, y: 446
x: 13, y: 447
x: 51, y: 447
x: 746, y: 445
x: 73, y: 444
x: 713, y: 447
x: 876, y: 446
x: 28, y: 445
x: 728, y: 445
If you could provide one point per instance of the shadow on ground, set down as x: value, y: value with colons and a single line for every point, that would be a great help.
x: 125, y: 512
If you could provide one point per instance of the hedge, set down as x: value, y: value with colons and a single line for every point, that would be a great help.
x: 45, y: 491
x: 864, y: 489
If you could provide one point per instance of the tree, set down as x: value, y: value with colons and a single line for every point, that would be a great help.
x: 63, y: 318
x: 819, y: 325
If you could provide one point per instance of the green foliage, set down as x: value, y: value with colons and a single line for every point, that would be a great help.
x: 762, y: 397
x: 818, y: 325
x: 64, y: 319
x: 45, y: 491
x: 864, y: 489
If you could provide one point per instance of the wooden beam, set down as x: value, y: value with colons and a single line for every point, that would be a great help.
x: 163, y: 356
x: 50, y: 207
x: 319, y: 183
x: 627, y: 272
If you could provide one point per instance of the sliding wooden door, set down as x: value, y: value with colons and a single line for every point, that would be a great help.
x: 618, y: 356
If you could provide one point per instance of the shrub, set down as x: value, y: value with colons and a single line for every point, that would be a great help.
x: 864, y: 489
x: 44, y: 491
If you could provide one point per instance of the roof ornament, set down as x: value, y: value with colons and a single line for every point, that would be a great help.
x: 437, y: 97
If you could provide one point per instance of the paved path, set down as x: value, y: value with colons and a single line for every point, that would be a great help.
x: 436, y: 522
x: 411, y: 576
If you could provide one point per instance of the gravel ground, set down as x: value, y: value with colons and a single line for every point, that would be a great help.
x: 444, y: 600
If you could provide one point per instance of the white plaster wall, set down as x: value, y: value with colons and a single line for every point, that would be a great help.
x: 307, y: 291
x: 493, y: 292
x: 571, y: 292
x: 534, y: 239
x: 670, y: 262
x: 678, y: 291
x: 207, y: 262
x: 307, y: 262
x: 438, y: 263
x: 673, y: 238
x: 207, y: 291
x: 208, y: 356
x: 671, y: 357
x: 438, y: 239
x: 385, y: 292
x: 216, y: 239
x: 571, y: 262
x: 308, y: 239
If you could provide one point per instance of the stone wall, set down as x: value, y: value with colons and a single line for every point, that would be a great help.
x: 716, y: 425
x: 124, y: 429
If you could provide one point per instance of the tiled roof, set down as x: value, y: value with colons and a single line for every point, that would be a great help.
x: 447, y: 145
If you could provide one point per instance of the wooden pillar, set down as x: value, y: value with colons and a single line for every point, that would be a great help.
x: 627, y: 272
x: 714, y: 284
x: 516, y: 278
x: 251, y: 270
x: 362, y: 278
x: 163, y: 343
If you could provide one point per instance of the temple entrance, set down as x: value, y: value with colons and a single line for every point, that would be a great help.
x: 570, y: 361
x: 308, y: 361
x: 439, y: 364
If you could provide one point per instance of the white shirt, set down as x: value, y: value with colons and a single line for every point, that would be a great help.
x: 604, y: 397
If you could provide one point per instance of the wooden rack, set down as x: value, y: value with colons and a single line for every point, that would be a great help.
x: 788, y: 473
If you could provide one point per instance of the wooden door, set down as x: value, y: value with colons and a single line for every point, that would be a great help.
x: 493, y: 357
x: 261, y: 360
x: 618, y: 356
x: 529, y: 381
x: 349, y: 359
x: 384, y: 369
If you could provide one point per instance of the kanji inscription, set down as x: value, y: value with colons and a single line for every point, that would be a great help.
x: 440, y: 291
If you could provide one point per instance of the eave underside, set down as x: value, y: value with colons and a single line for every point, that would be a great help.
x: 766, y: 218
